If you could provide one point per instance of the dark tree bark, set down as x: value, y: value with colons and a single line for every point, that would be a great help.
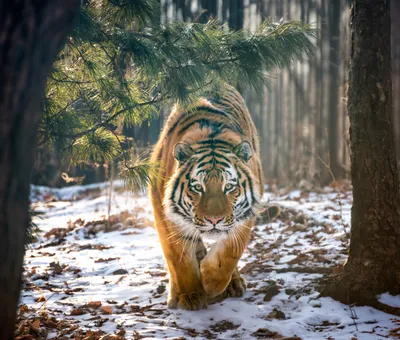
x: 319, y: 84
x: 236, y: 14
x: 31, y: 33
x: 373, y: 266
x: 395, y: 14
x: 333, y: 99
x: 302, y: 11
x: 209, y: 8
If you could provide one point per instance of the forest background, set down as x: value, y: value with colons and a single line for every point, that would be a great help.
x: 300, y: 113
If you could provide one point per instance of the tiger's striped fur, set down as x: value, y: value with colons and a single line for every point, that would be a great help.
x: 211, y: 184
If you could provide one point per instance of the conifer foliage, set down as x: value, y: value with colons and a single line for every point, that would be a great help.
x: 120, y: 64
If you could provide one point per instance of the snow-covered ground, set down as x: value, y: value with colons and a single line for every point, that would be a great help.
x: 89, y: 276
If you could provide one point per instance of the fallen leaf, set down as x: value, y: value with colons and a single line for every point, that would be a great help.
x: 107, y: 310
x: 35, y: 325
x: 78, y: 311
x: 94, y: 304
x: 106, y: 260
x: 276, y: 314
x: 161, y: 289
x: 271, y: 292
x: 41, y: 299
x: 299, y: 259
x: 120, y: 272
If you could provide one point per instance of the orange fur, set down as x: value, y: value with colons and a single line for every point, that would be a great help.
x: 195, y: 276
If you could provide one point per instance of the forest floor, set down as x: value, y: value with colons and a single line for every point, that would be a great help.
x: 91, y: 276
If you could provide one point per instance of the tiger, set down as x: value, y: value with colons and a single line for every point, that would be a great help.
x: 209, y: 187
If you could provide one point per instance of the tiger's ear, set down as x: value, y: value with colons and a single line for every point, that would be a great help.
x: 182, y: 152
x: 243, y: 150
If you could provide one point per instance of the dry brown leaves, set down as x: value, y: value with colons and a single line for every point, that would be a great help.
x: 35, y: 325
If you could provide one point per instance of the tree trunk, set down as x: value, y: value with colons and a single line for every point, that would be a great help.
x: 319, y: 83
x: 209, y: 8
x: 31, y: 33
x: 333, y: 99
x: 225, y: 10
x: 236, y: 14
x: 373, y: 266
x: 395, y: 14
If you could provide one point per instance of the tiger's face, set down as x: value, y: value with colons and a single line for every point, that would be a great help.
x: 213, y: 190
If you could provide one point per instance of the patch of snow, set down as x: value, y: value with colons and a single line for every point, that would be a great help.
x: 390, y: 300
x: 124, y: 269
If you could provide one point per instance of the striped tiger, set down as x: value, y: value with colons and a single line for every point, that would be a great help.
x: 210, y: 188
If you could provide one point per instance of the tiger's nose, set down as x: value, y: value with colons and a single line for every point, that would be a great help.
x: 214, y: 220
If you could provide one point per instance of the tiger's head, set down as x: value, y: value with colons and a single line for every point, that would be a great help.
x: 213, y: 190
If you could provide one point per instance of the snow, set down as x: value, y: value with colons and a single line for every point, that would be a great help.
x: 390, y: 300
x: 80, y: 258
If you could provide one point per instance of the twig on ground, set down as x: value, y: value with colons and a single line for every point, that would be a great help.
x: 43, y: 304
x: 353, y: 316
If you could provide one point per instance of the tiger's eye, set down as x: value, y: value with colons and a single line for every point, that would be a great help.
x: 229, y: 186
x: 198, y: 187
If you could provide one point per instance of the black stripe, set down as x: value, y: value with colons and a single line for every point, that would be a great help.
x: 179, y: 203
x: 177, y: 211
x: 181, y: 193
x: 243, y: 204
x: 230, y: 106
x: 238, y: 172
x: 201, y: 165
x: 204, y: 123
x: 219, y: 148
x: 187, y: 169
x: 194, y: 111
x: 224, y: 164
x: 251, y: 184
x: 213, y: 154
x: 217, y: 127
x: 215, y: 163
x: 218, y: 155
x: 215, y: 141
x: 248, y: 213
x: 202, y: 158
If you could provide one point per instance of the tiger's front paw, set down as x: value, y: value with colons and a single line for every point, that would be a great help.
x: 236, y: 288
x: 188, y: 301
x: 213, y: 281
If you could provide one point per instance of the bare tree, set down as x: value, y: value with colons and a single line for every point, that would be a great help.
x: 333, y: 99
x: 209, y: 8
x: 373, y: 266
x: 31, y: 34
x: 395, y: 14
x: 236, y: 14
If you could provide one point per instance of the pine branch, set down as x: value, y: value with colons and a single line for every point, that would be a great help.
x: 139, y: 173
x: 108, y: 120
x: 120, y: 63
